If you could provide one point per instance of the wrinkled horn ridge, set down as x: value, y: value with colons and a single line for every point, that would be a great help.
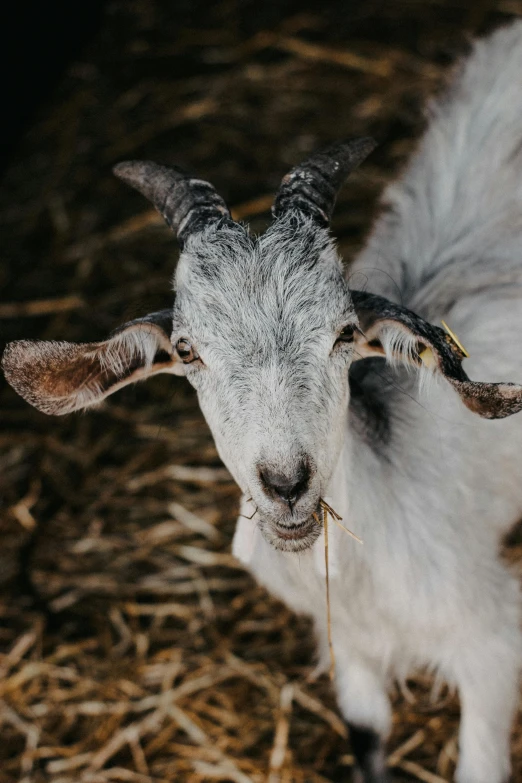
x: 312, y: 186
x: 187, y: 205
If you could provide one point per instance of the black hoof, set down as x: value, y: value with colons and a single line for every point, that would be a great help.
x: 360, y: 776
x: 369, y: 755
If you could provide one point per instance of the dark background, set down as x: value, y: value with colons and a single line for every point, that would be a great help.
x: 37, y: 41
x: 116, y: 582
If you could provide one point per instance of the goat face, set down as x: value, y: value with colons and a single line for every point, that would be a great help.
x: 266, y: 329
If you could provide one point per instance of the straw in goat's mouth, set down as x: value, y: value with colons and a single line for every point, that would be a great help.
x: 328, y: 510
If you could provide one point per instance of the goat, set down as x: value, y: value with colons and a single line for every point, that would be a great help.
x: 311, y: 391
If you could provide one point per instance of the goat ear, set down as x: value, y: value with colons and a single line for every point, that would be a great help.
x: 394, y: 332
x: 60, y: 377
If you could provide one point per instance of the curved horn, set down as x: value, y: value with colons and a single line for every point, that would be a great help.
x: 312, y: 186
x: 186, y: 204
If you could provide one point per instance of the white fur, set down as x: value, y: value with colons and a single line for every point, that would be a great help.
x: 121, y: 350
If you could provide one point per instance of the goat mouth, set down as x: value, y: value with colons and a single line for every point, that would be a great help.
x: 291, y: 538
x: 293, y: 533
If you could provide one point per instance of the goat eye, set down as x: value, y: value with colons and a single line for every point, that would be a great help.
x: 185, y: 351
x: 346, y: 335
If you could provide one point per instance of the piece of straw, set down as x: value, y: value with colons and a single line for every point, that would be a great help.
x: 328, y: 612
x: 338, y: 519
x: 327, y: 509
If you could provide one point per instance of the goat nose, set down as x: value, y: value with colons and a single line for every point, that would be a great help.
x: 287, y: 487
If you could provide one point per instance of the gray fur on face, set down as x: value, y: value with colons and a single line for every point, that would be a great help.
x: 270, y: 384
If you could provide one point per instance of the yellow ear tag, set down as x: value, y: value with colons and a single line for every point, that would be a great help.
x: 427, y: 358
x: 454, y: 338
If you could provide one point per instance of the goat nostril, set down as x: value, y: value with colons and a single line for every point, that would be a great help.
x: 288, y: 488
